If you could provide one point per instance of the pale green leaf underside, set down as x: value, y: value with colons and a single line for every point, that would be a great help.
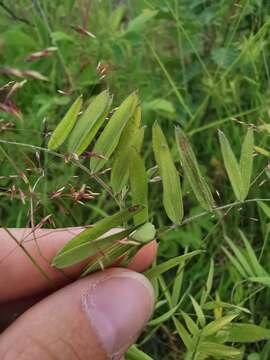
x: 138, y: 185
x: 89, y: 123
x: 246, y: 161
x: 110, y: 136
x: 172, y: 195
x: 232, y: 167
x: 65, y: 126
x: 192, y: 171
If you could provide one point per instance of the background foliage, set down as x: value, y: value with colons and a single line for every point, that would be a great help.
x: 201, y: 65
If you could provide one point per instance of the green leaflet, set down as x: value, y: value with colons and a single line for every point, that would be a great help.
x: 247, y: 333
x: 137, y: 24
x: 164, y: 317
x: 134, y: 353
x: 81, y: 246
x: 213, y: 327
x: 198, y: 310
x: 144, y: 233
x: 239, y: 174
x: 132, y: 136
x: 109, y: 138
x: 246, y: 161
x: 183, y: 334
x: 169, y: 264
x: 218, y: 350
x: 212, y: 305
x: 232, y: 167
x: 263, y: 280
x: 256, y: 266
x: 240, y: 256
x: 138, y: 185
x: 191, y: 325
x: 265, y: 208
x: 89, y: 123
x: 192, y: 171
x: 172, y: 196
x: 65, y: 126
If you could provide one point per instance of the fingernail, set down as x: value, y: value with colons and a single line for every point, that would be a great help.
x: 118, y: 307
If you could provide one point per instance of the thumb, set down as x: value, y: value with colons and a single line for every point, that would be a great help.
x: 97, y: 317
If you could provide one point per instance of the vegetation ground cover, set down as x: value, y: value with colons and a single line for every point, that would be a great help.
x: 198, y: 65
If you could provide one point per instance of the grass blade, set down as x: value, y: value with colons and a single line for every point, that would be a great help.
x: 192, y: 171
x: 134, y: 353
x: 265, y: 208
x: 263, y: 280
x: 198, y: 310
x: 183, y: 334
x: 191, y: 325
x: 232, y: 167
x: 109, y: 138
x: 247, y: 333
x: 218, y: 351
x: 164, y: 317
x: 213, y: 327
x: 172, y: 195
x: 65, y: 126
x: 257, y: 268
x: 246, y: 161
x: 157, y: 270
x: 240, y: 257
x: 89, y: 123
x: 235, y: 263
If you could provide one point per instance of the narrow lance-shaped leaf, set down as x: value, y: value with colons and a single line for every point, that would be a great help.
x: 220, y: 351
x: 75, y: 251
x: 213, y: 327
x: 232, y: 167
x: 198, y: 310
x: 169, y: 264
x: 265, y: 208
x: 64, y: 128
x: 248, y: 333
x: 191, y: 325
x: 172, y: 195
x: 192, y: 171
x: 89, y: 123
x: 241, y: 257
x: 138, y: 185
x: 131, y: 136
x: 246, y: 161
x: 134, y: 353
x: 254, y: 263
x: 110, y: 136
x: 164, y: 317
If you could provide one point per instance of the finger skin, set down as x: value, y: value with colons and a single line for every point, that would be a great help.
x: 20, y: 278
x: 66, y: 325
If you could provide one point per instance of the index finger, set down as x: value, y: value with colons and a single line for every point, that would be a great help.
x: 20, y: 278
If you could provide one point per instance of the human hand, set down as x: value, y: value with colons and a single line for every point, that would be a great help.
x: 97, y: 317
